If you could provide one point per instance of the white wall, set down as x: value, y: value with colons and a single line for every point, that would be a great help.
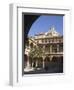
x: 4, y: 45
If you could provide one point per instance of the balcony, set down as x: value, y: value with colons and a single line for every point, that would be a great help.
x: 53, y: 53
x: 51, y: 42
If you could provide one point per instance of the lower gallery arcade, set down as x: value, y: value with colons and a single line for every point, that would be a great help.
x: 42, y: 63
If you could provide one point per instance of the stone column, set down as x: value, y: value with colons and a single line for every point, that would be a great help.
x: 32, y: 64
x: 43, y: 48
x: 28, y: 63
x: 43, y: 57
x: 57, y: 47
x: 36, y: 63
x: 51, y: 58
x: 43, y: 63
x: 50, y: 48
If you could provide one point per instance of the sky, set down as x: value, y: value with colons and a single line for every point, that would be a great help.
x: 44, y: 22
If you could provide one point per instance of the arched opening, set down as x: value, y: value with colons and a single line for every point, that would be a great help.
x: 55, y: 59
x: 28, y: 20
x: 47, y: 61
x: 60, y: 64
x: 57, y: 64
x: 37, y: 62
x: 40, y: 60
x: 40, y: 63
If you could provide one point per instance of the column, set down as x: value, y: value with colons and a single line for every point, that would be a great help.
x: 57, y: 47
x: 32, y: 64
x: 50, y: 48
x: 28, y: 63
x: 43, y: 63
x: 36, y: 63
x: 44, y: 48
x: 51, y: 58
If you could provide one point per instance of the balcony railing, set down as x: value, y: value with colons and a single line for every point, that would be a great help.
x: 53, y: 52
x: 50, y: 42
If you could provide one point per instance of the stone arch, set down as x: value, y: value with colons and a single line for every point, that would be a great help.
x: 28, y: 20
x: 60, y: 64
x: 47, y: 61
x: 37, y: 62
x: 40, y: 60
x: 55, y: 59
x: 57, y: 63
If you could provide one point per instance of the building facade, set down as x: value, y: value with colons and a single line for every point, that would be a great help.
x: 50, y: 46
